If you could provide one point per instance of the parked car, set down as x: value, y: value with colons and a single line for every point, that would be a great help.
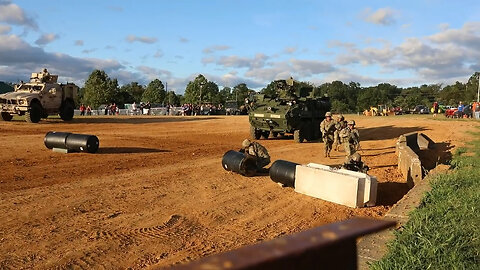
x: 420, y: 109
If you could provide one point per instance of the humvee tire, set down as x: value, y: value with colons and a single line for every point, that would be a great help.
x: 6, y: 116
x: 67, y: 111
x: 298, y: 136
x: 255, y: 134
x: 34, y: 114
x: 265, y: 134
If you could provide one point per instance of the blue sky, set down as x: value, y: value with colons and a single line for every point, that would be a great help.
x: 405, y: 43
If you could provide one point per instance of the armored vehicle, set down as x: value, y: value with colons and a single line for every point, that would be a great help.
x: 40, y: 97
x: 292, y: 109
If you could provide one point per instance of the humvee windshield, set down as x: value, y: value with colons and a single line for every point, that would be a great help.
x: 231, y: 104
x: 27, y: 87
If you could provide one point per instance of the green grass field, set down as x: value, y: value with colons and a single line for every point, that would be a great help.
x: 444, y: 231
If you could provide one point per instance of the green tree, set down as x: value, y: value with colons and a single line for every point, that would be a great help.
x: 269, y: 90
x: 225, y: 94
x: 342, y: 96
x: 99, y: 89
x: 155, y: 92
x: 134, y: 89
x: 452, y: 94
x: 471, y: 90
x: 200, y: 90
x: 240, y: 92
x: 122, y: 97
x: 172, y: 99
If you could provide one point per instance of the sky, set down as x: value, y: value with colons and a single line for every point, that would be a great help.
x: 406, y: 43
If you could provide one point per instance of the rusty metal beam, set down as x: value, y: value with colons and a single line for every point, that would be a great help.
x: 331, y: 246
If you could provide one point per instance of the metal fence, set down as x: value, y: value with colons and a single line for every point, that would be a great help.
x: 332, y: 246
x: 152, y: 111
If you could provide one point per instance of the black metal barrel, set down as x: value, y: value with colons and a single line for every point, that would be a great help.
x: 72, y: 141
x: 55, y: 139
x: 240, y: 163
x: 283, y: 171
x: 82, y: 143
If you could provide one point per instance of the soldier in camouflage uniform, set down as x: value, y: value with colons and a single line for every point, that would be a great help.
x: 257, y: 151
x: 327, y: 127
x: 341, y: 124
x: 350, y: 138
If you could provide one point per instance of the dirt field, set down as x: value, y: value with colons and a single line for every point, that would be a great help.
x: 156, y: 192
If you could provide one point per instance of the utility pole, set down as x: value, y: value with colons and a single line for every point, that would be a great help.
x: 478, y: 90
x: 201, y: 86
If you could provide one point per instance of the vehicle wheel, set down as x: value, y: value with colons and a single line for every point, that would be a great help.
x: 255, y: 133
x: 67, y: 111
x: 6, y: 116
x: 34, y: 114
x: 298, y: 136
x: 265, y: 134
x: 274, y: 134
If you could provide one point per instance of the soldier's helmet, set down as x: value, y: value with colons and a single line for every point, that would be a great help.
x: 328, y: 114
x: 246, y: 143
x: 45, y: 70
x: 351, y: 122
x: 341, y: 118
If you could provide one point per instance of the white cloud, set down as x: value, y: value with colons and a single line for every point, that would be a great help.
x: 5, y: 29
x: 467, y: 36
x: 20, y: 59
x: 367, y: 56
x: 154, y: 73
x: 148, y: 40
x: 235, y: 61
x: 46, y: 38
x: 289, y: 50
x: 78, y: 43
x: 86, y: 51
x: 310, y: 67
x: 13, y: 14
x: 158, y: 54
x: 215, y: 48
x: 382, y: 16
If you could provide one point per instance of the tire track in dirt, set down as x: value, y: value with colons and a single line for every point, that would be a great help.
x: 175, y: 231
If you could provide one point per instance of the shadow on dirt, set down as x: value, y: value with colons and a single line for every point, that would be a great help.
x: 129, y: 150
x: 389, y: 193
x: 385, y: 132
x: 131, y: 120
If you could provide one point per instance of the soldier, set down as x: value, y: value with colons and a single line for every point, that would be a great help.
x: 341, y: 124
x: 257, y: 151
x: 45, y: 75
x: 350, y: 138
x: 327, y: 127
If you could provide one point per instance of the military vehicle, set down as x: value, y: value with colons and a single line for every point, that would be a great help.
x: 40, y: 97
x: 231, y: 107
x: 292, y: 109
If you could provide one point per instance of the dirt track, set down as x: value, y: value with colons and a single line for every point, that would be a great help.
x: 156, y: 192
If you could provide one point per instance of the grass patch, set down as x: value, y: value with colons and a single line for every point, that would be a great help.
x: 444, y: 231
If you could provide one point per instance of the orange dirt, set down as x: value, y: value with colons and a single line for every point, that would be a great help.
x: 156, y: 192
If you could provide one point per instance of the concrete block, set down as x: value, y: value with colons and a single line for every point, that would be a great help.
x: 344, y: 187
x: 60, y: 150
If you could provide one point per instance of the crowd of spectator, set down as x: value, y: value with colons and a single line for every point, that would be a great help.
x: 200, y: 109
x: 87, y: 110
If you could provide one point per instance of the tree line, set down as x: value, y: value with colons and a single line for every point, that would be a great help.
x: 352, y: 97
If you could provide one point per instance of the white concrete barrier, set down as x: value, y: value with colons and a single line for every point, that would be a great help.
x: 353, y: 189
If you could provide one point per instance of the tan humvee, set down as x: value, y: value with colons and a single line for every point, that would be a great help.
x: 40, y: 97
